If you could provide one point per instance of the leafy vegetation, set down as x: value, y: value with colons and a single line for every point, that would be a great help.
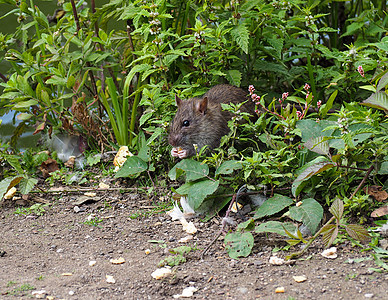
x: 317, y: 72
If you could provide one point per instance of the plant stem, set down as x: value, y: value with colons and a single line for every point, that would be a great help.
x: 362, y: 181
x: 300, y: 253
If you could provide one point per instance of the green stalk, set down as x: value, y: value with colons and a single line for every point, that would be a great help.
x: 37, y: 27
x: 134, y: 111
x: 122, y: 129
x: 312, y: 80
x: 110, y: 114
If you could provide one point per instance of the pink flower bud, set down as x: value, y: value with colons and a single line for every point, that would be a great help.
x: 319, y: 104
x: 361, y: 71
x: 284, y: 96
x: 251, y: 89
x: 306, y: 87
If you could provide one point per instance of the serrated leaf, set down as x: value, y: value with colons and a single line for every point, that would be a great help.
x: 276, y: 227
x: 318, y: 165
x: 133, y: 165
x: 7, y: 184
x: 318, y: 145
x: 378, y: 100
x: 310, y: 213
x: 272, y: 206
x: 329, y: 234
x: 357, y: 232
x: 227, y: 167
x: 337, y: 209
x: 194, y: 170
x: 27, y: 184
x: 240, y: 35
x: 234, y: 77
x: 277, y: 44
x: 239, y: 244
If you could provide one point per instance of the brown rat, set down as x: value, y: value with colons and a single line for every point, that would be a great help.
x: 202, y: 121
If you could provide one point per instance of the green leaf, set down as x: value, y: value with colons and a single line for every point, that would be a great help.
x: 239, y: 244
x: 246, y: 226
x: 234, y: 77
x: 228, y: 167
x: 378, y: 100
x: 93, y: 159
x: 318, y: 145
x: 172, y: 261
x: 7, y: 184
x: 357, y: 232
x: 27, y: 184
x: 272, y: 206
x: 310, y: 213
x: 240, y: 35
x: 194, y: 170
x: 136, y: 69
x: 383, y: 168
x: 276, y: 227
x: 133, y: 165
x: 383, y: 82
x: 25, y: 104
x: 14, y: 162
x: 337, y: 209
x: 181, y: 250
x: 318, y: 165
x: 197, y: 191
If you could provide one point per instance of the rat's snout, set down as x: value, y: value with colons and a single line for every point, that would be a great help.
x: 174, y: 140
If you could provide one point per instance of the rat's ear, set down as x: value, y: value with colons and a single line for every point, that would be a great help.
x: 178, y: 100
x: 202, y: 105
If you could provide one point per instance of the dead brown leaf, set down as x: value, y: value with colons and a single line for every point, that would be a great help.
x: 70, y: 162
x: 381, y: 211
x: 376, y: 192
x: 48, y: 166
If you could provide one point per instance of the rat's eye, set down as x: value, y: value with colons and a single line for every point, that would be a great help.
x: 186, y: 123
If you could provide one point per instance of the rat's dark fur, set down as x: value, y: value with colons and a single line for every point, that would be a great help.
x: 202, y: 121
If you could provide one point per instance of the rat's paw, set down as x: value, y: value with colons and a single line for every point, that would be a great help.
x: 182, y: 153
x: 175, y: 152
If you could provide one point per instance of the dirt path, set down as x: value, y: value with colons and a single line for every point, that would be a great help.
x: 52, y: 253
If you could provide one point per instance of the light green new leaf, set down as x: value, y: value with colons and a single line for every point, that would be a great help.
x: 194, y: 170
x: 239, y: 244
x: 27, y: 184
x: 272, y: 206
x: 133, y: 165
x: 310, y: 213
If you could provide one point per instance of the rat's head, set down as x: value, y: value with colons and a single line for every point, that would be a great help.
x: 186, y: 127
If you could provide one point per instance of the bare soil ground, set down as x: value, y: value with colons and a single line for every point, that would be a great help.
x: 52, y: 253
